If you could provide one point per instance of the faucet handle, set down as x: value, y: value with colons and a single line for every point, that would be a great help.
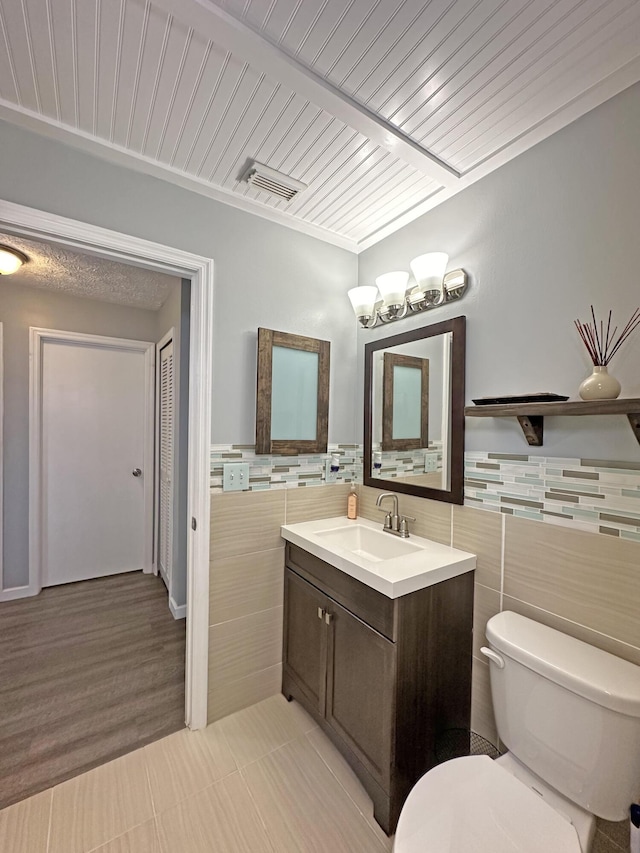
x: 403, y: 527
x: 387, y: 524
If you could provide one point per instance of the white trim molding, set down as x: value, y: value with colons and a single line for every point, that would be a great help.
x: 178, y: 611
x: 17, y: 219
x: 11, y: 593
x: 37, y: 338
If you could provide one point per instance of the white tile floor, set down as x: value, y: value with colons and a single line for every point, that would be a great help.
x: 264, y: 779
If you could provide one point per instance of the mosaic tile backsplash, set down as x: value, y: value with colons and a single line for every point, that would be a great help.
x: 600, y: 496
x: 286, y: 472
x: 401, y: 463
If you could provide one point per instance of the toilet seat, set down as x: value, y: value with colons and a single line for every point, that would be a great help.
x: 473, y: 805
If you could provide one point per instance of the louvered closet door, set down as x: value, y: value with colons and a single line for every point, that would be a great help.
x: 165, y: 544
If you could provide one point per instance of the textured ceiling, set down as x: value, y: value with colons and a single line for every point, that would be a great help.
x: 384, y: 108
x: 53, y: 267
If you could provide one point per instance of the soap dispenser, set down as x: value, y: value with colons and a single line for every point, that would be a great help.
x: 352, y: 503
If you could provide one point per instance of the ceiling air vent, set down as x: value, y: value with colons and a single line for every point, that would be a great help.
x: 269, y: 181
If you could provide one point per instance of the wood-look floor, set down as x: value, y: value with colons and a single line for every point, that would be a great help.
x: 88, y: 672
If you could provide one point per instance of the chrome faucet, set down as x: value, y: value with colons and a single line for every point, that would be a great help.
x: 393, y: 522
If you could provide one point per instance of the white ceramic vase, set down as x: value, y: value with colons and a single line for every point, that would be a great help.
x: 600, y: 385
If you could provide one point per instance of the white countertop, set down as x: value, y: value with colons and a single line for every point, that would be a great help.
x: 428, y: 563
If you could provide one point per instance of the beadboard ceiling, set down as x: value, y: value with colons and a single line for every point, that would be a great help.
x: 55, y: 267
x: 385, y: 108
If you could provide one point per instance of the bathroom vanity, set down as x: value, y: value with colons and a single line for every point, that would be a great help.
x: 385, y: 674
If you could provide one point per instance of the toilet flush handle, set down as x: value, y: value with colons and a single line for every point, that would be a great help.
x: 494, y: 656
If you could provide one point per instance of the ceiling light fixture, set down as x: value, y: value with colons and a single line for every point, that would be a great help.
x: 11, y: 260
x: 396, y: 296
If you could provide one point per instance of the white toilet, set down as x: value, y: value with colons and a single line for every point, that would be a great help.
x: 570, y: 716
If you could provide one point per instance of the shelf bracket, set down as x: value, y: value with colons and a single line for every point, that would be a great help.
x: 634, y: 420
x: 533, y: 429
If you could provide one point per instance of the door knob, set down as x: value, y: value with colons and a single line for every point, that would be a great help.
x: 137, y: 472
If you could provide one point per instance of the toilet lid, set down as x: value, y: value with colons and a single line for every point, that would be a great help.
x: 473, y: 805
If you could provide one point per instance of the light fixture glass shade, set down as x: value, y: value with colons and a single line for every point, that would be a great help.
x: 393, y: 287
x: 10, y: 260
x: 363, y: 300
x: 429, y: 271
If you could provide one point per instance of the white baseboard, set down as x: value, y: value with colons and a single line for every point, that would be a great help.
x: 14, y: 592
x: 178, y: 611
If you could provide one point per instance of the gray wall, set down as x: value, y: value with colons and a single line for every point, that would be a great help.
x: 543, y: 237
x: 266, y: 274
x: 20, y: 308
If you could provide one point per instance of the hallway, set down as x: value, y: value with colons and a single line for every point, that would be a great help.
x: 89, y: 671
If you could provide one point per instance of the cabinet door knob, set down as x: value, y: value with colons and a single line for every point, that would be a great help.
x: 327, y: 618
x: 320, y: 612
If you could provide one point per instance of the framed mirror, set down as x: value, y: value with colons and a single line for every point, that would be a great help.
x: 292, y: 394
x: 414, y: 412
x: 405, y: 402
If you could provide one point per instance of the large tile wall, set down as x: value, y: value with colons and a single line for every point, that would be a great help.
x: 246, y: 586
x: 578, y: 582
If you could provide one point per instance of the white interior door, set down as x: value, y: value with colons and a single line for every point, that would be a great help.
x: 166, y: 451
x: 94, y: 440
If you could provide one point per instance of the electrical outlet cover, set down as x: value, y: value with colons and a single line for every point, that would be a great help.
x: 329, y: 475
x: 430, y: 462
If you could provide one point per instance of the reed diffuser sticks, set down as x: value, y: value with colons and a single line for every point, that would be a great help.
x: 603, y: 346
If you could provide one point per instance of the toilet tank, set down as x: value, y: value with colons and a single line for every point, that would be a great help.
x: 569, y: 712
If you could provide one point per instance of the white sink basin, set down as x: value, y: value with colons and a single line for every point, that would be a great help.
x: 374, y: 545
x: 387, y: 563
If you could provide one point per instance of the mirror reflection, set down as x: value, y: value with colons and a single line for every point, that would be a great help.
x: 411, y: 418
x: 414, y: 418
x: 405, y: 401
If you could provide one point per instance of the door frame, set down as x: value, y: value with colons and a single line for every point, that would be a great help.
x: 37, y: 339
x: 29, y: 222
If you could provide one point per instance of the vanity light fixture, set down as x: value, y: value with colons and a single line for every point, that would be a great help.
x: 396, y: 296
x: 11, y: 260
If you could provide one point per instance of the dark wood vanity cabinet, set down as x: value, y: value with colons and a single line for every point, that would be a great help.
x: 387, y: 679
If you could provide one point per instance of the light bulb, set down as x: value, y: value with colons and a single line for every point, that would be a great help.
x: 10, y: 260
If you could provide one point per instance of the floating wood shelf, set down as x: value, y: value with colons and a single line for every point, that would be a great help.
x: 531, y: 415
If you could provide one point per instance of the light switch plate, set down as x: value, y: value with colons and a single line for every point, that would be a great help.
x: 430, y: 461
x: 235, y: 476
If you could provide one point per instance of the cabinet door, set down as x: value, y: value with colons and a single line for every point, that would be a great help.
x: 360, y: 691
x: 305, y: 638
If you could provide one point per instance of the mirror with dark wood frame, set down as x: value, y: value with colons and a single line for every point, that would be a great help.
x: 414, y: 412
